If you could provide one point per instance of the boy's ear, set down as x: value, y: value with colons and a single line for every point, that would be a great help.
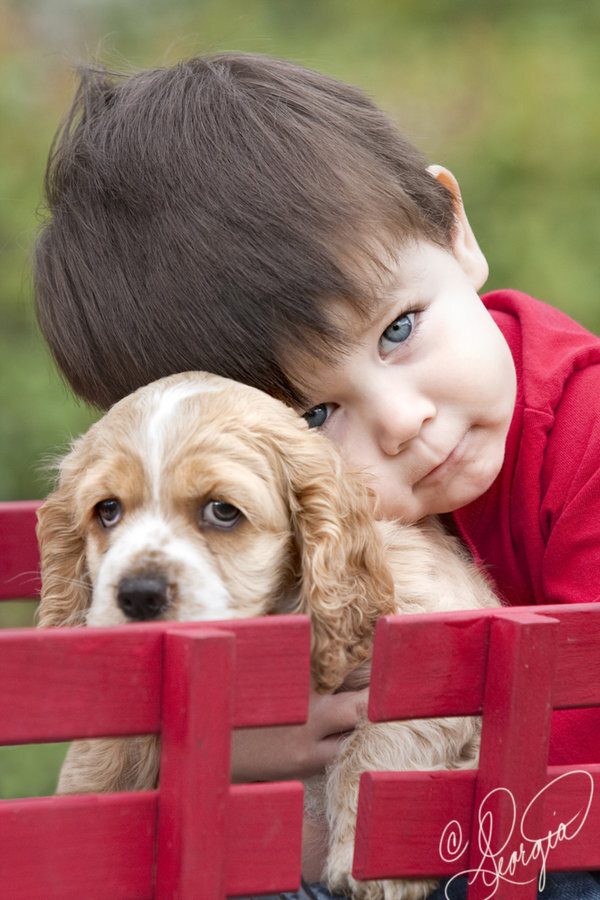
x: 465, y: 248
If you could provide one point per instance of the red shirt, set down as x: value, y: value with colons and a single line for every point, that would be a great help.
x: 537, y: 528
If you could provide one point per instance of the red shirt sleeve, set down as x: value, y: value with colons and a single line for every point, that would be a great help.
x: 570, y: 494
x: 570, y: 526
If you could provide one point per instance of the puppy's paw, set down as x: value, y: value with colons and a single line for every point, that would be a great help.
x: 405, y: 889
x: 393, y: 889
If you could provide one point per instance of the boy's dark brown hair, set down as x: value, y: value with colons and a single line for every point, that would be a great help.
x: 200, y: 216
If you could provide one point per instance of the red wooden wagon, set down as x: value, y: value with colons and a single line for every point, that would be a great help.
x: 199, y: 836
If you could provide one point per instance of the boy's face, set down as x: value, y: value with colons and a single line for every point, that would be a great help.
x: 424, y: 397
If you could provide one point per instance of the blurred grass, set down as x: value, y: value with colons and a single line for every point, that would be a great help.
x: 30, y: 770
x: 505, y: 94
x: 17, y: 613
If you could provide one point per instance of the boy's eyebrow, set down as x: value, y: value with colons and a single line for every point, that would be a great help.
x: 385, y: 305
x: 305, y: 371
x: 351, y: 320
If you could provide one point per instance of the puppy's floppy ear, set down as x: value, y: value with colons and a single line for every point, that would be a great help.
x: 66, y: 592
x: 346, y: 582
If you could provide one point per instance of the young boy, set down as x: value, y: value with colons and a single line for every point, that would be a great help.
x: 253, y: 218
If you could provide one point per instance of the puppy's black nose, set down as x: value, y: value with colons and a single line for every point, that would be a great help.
x: 142, y: 597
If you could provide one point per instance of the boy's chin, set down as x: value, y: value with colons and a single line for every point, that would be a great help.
x: 419, y: 508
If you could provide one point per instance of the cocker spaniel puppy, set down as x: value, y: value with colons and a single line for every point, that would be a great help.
x: 197, y: 498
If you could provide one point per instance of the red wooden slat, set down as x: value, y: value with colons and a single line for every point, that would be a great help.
x: 577, y: 681
x: 515, y: 738
x: 456, y: 643
x: 101, y: 845
x: 571, y: 820
x: 454, y: 646
x: 19, y: 555
x: 67, y: 848
x: 272, y: 667
x: 401, y: 820
x: 272, y: 670
x: 56, y: 684
x: 264, y: 838
x: 79, y: 682
x: 422, y: 822
x: 195, y: 764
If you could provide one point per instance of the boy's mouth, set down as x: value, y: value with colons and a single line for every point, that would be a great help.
x: 453, y: 459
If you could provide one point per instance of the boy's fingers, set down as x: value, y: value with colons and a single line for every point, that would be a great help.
x: 344, y: 711
x: 298, y: 750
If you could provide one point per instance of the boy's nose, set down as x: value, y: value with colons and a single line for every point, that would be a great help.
x: 398, y: 419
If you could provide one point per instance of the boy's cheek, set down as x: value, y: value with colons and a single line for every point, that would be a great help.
x: 392, y: 501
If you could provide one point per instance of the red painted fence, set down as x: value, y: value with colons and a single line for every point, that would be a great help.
x: 514, y: 816
x: 198, y: 836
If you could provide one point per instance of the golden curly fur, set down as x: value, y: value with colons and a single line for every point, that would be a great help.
x: 197, y: 498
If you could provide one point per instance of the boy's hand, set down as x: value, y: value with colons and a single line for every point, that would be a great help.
x: 297, y: 751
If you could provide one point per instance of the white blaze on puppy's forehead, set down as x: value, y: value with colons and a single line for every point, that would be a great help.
x: 167, y: 398
x: 164, y: 403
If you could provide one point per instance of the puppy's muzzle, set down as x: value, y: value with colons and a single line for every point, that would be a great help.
x: 142, y: 597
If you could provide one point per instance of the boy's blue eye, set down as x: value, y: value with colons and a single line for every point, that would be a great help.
x: 318, y: 415
x: 398, y: 332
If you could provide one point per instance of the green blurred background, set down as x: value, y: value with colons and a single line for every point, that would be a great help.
x: 504, y: 93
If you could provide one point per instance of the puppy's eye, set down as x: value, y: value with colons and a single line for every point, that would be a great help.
x: 220, y: 514
x: 108, y: 512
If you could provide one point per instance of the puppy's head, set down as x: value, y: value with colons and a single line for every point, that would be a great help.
x: 199, y: 498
